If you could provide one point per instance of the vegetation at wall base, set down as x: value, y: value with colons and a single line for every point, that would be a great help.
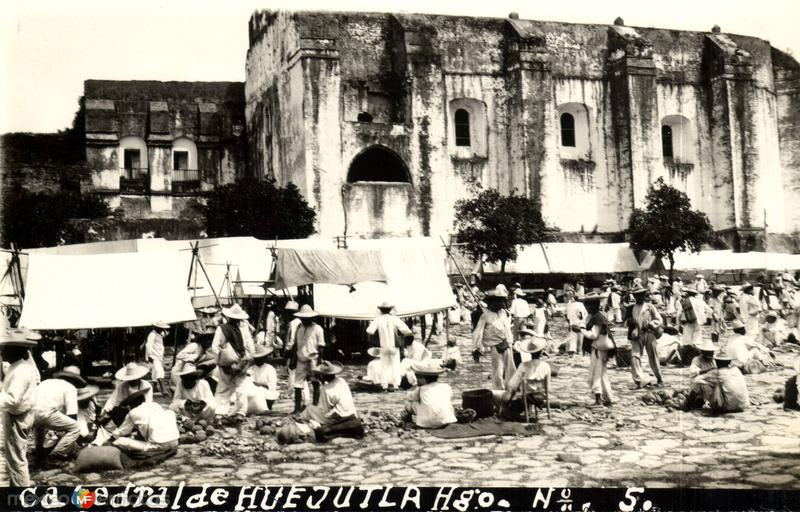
x: 260, y: 209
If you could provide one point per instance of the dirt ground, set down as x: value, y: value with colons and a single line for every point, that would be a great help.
x: 628, y: 444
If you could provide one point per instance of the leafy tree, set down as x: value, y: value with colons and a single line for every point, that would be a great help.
x: 260, y: 209
x: 41, y: 219
x: 492, y: 225
x: 668, y: 224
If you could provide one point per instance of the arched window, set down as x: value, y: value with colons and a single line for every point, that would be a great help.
x: 184, y: 161
x: 462, y: 128
x: 567, y: 130
x: 666, y: 141
x: 378, y: 163
x: 132, y: 155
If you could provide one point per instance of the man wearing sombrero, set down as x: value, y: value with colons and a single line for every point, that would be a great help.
x: 87, y: 411
x: 308, y: 341
x: 749, y: 308
x: 193, y: 389
x: 234, y: 348
x: 494, y: 331
x: 195, y: 349
x: 130, y: 380
x: 17, y: 399
x: 148, y: 431
x: 643, y: 324
x: 261, y: 383
x: 56, y: 410
x: 531, y: 378
x: 334, y: 414
x: 723, y: 388
x: 154, y: 355
x: 431, y: 402
x: 387, y: 326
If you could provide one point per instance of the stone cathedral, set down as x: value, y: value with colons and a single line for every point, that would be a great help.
x: 385, y: 120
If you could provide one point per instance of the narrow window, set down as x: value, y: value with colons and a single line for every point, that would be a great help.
x: 567, y: 130
x: 180, y: 160
x: 132, y: 162
x: 462, y: 128
x: 666, y: 142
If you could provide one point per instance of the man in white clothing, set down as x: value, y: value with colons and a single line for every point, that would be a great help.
x: 334, y: 414
x: 700, y: 284
x: 233, y: 348
x: 308, y: 340
x: 154, y: 354
x: 431, y: 403
x: 749, y: 308
x: 56, y: 410
x: 155, y: 428
x: 520, y: 310
x: 415, y: 352
x: 387, y: 325
x: 693, y: 321
x: 494, y: 332
x: 576, y: 315
x: 192, y: 389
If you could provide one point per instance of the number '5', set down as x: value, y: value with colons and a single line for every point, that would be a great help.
x: 629, y: 496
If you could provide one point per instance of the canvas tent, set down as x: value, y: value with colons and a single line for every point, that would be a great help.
x: 416, y: 282
x: 105, y: 290
x: 726, y: 260
x: 571, y: 258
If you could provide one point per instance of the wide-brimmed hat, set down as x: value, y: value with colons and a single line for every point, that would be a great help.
x: 87, y: 392
x: 263, y: 351
x: 589, y: 297
x: 532, y: 346
x: 638, y: 290
x: 71, y: 374
x: 737, y: 324
x: 496, y: 294
x: 235, y: 312
x: 427, y: 368
x: 206, y: 362
x: 209, y: 310
x: 698, y: 276
x: 291, y: 306
x: 386, y: 305
x: 722, y: 356
x: 189, y: 370
x: 747, y: 286
x: 690, y: 289
x: 161, y: 325
x: 306, y: 312
x: 133, y: 397
x: 706, y: 346
x: 771, y: 313
x: 529, y: 332
x: 32, y: 335
x: 374, y: 351
x: 16, y: 338
x: 329, y: 368
x: 519, y: 293
x: 131, y: 371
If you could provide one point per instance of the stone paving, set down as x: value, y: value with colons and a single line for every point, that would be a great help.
x: 629, y: 444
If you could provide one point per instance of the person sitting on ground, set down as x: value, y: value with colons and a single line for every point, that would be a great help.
x: 261, y: 384
x: 56, y: 410
x: 155, y: 427
x: 668, y: 346
x: 774, y: 331
x: 130, y: 380
x: 208, y: 366
x: 373, y: 367
x: 334, y: 414
x: 703, y: 363
x: 747, y: 355
x: 199, y: 342
x: 451, y: 354
x: 415, y: 352
x: 87, y: 412
x: 723, y: 388
x: 192, y: 389
x: 430, y: 404
x: 532, y: 378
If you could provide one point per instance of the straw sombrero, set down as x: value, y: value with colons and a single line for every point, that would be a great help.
x: 161, y: 325
x: 131, y: 371
x: 532, y: 346
x: 722, y: 356
x: 189, y: 370
x: 71, y: 374
x: 291, y: 306
x: 87, y: 392
x: 386, y: 305
x: 706, y: 346
x: 306, y: 312
x: 427, y: 369
x: 235, y: 312
x: 374, y: 351
x: 263, y: 351
x: 329, y: 368
x: 16, y: 338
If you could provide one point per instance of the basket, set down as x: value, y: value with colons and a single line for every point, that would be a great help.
x: 479, y: 400
x: 623, y: 357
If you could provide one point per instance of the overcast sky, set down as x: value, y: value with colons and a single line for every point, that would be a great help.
x: 49, y: 47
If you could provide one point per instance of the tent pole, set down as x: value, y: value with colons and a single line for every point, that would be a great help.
x: 469, y: 288
x: 175, y: 346
x: 203, y: 268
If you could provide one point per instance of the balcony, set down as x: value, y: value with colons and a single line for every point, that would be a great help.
x: 185, y: 180
x: 134, y: 180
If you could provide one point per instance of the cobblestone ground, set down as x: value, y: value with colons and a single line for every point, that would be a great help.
x: 628, y: 444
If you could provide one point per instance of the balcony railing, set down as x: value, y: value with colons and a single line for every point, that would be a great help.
x: 134, y: 180
x: 185, y: 180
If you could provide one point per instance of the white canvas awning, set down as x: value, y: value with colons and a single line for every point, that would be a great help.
x: 105, y: 290
x: 571, y: 258
x: 727, y: 260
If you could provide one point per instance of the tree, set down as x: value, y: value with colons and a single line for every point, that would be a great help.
x: 260, y: 209
x: 492, y: 226
x: 668, y: 224
x: 41, y: 219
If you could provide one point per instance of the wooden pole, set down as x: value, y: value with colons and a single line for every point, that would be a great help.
x: 466, y: 282
x: 203, y: 268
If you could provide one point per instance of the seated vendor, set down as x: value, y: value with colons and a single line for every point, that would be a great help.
x: 431, y: 402
x: 668, y: 346
x: 415, y: 352
x: 374, y: 367
x: 334, y: 414
x: 193, y: 389
x: 531, y: 377
x: 261, y: 384
x: 148, y: 429
x: 748, y: 355
x: 131, y: 381
x: 451, y: 355
x: 723, y: 388
x: 774, y: 331
x: 87, y: 411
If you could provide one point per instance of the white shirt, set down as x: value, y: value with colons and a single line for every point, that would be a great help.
x: 492, y: 329
x: 247, y: 340
x: 615, y: 298
x: 453, y: 353
x: 335, y: 398
x: 520, y: 308
x: 576, y: 313
x: 191, y: 353
x: 154, y: 346
x: 308, y: 341
x: 154, y: 423
x: 200, y: 391
x: 123, y: 391
x: 739, y: 348
x: 533, y: 370
x: 749, y: 306
x: 386, y: 325
x: 435, y: 407
x: 266, y: 375
x: 56, y: 395
x: 18, y: 395
x: 417, y: 351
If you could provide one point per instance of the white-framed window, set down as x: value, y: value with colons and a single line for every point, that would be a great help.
x: 184, y: 161
x: 468, y: 128
x: 677, y: 139
x: 132, y: 156
x: 573, y: 131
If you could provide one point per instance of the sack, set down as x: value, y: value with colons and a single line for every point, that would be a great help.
x: 603, y: 343
x: 98, y: 458
x: 501, y: 347
x: 688, y: 311
x: 227, y: 355
x: 454, y: 316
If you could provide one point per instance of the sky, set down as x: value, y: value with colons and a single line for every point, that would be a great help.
x: 49, y: 47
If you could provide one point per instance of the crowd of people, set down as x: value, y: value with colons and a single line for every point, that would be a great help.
x: 227, y: 370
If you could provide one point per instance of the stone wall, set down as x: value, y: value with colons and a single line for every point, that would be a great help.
x: 336, y: 84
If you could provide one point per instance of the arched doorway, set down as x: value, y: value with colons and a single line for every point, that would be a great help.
x: 378, y: 163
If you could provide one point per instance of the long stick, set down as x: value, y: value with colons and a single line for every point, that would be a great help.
x: 469, y: 288
x: 210, y: 285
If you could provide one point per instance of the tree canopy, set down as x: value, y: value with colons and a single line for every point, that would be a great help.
x: 492, y: 225
x: 668, y: 224
x: 260, y: 209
